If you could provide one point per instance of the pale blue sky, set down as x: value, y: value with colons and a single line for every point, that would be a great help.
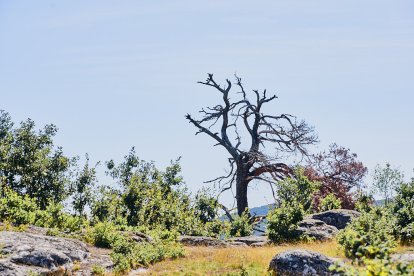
x: 113, y: 74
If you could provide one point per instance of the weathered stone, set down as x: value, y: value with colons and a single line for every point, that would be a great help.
x: 139, y: 237
x: 259, y: 244
x: 316, y: 229
x: 236, y: 244
x: 403, y: 257
x: 26, y: 252
x: 337, y: 217
x: 249, y: 239
x: 201, y: 241
x: 301, y: 262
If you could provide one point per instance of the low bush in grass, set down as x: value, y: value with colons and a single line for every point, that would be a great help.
x: 370, y: 236
x: 241, y: 225
x: 128, y: 254
x: 283, y: 222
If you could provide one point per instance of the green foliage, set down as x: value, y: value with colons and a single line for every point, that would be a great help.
x: 241, y: 225
x: 403, y: 209
x: 30, y: 163
x: 83, y: 187
x: 108, y: 206
x: 55, y: 217
x: 386, y: 180
x: 98, y: 270
x: 153, y: 198
x: 374, y: 267
x: 369, y: 236
x: 295, y: 200
x: 297, y: 189
x: 206, y: 205
x: 330, y: 202
x: 127, y: 255
x: 364, y: 203
x: 282, y: 222
x: 17, y: 209
x: 103, y: 234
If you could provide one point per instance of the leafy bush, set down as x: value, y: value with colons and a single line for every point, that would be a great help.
x: 330, y: 202
x: 206, y: 205
x: 55, y: 217
x: 103, y: 234
x: 297, y: 189
x: 282, y: 222
x: 364, y: 203
x: 127, y: 255
x: 17, y: 209
x: 374, y: 267
x: 404, y: 212
x: 369, y: 236
x: 241, y: 226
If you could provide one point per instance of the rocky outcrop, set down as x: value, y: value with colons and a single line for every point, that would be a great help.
x: 23, y: 253
x: 250, y: 240
x: 301, y: 262
x: 254, y: 241
x: 337, y: 217
x: 316, y: 229
x: 403, y: 258
x: 139, y: 237
x: 236, y: 244
x: 201, y: 241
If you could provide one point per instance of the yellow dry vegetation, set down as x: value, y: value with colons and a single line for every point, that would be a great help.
x: 234, y: 261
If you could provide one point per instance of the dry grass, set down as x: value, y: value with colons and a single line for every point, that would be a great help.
x: 233, y: 261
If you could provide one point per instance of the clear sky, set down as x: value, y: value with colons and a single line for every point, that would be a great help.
x: 113, y: 74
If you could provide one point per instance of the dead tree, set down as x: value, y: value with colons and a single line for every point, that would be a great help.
x: 249, y: 161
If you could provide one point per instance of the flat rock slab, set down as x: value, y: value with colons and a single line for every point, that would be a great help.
x: 249, y: 240
x: 403, y: 258
x: 337, y: 217
x: 201, y: 241
x: 301, y: 262
x: 26, y: 252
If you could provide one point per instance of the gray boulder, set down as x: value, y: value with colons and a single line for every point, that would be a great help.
x: 25, y: 252
x: 301, y: 262
x: 249, y: 240
x: 337, y: 217
x: 317, y: 229
x: 236, y: 244
x: 259, y: 244
x: 139, y: 237
x: 201, y: 241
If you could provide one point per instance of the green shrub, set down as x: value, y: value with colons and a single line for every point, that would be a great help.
x: 330, y: 202
x: 283, y: 221
x: 374, y: 267
x: 364, y: 203
x: 17, y: 209
x: 403, y: 209
x: 241, y: 226
x: 297, y: 189
x: 206, y: 205
x: 369, y: 236
x: 103, y: 234
x: 98, y: 270
x: 55, y: 217
x: 128, y: 255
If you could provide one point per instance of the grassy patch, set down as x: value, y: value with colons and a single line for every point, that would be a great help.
x: 233, y: 261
